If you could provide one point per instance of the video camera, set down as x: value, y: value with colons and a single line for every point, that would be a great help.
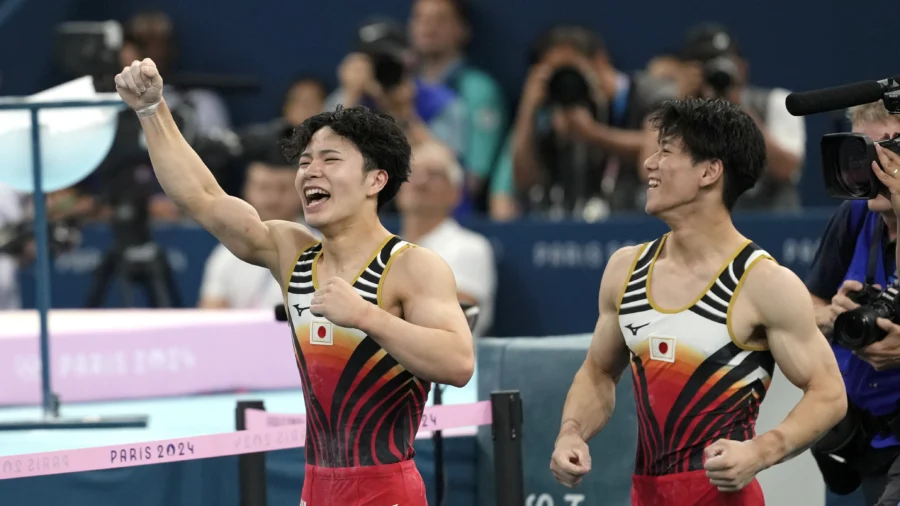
x: 847, y: 157
x: 858, y: 328
x: 847, y: 165
x: 384, y: 41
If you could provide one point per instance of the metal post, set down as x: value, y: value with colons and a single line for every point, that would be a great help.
x: 50, y: 402
x: 51, y: 406
x: 437, y: 438
x: 506, y: 430
x: 251, y: 466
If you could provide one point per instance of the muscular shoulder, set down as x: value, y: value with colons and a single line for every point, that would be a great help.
x: 416, y: 273
x: 616, y: 273
x: 775, y: 292
x: 289, y: 234
x: 416, y: 266
x: 289, y: 239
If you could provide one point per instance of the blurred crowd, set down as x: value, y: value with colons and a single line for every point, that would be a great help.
x: 570, y: 146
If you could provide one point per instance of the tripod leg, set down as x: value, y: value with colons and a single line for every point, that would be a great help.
x: 168, y: 278
x: 160, y: 282
x: 102, y: 276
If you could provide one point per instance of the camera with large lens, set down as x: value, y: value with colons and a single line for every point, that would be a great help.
x: 567, y: 87
x: 858, y: 328
x: 720, y: 74
x: 384, y: 42
x: 847, y: 165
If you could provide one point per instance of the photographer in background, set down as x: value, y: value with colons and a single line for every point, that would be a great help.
x: 714, y: 67
x: 580, y: 128
x: 380, y: 76
x: 857, y: 249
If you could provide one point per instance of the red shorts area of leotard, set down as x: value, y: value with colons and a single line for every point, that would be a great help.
x: 386, y: 485
x: 690, y: 489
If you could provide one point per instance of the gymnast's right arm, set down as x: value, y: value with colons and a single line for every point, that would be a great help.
x: 184, y: 177
x: 592, y: 396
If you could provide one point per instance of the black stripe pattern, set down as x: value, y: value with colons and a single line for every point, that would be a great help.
x: 369, y: 411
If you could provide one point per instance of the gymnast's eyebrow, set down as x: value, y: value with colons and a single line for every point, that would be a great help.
x: 321, y: 152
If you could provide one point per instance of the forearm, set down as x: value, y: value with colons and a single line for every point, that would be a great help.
x: 589, y: 404
x: 526, y: 170
x: 816, y: 413
x: 824, y: 317
x: 180, y: 171
x: 432, y: 355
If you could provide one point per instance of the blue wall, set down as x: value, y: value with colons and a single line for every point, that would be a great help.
x: 796, y: 44
x: 549, y: 272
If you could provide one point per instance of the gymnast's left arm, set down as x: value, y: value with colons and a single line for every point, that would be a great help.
x: 432, y: 340
x: 803, y: 355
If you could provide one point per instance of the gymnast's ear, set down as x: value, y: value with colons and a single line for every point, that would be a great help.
x: 711, y: 172
x: 375, y: 181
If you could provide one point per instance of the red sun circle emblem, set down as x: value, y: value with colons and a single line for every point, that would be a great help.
x: 322, y: 333
x: 663, y: 348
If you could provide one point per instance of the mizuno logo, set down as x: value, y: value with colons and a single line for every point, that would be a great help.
x: 633, y: 329
x: 300, y: 310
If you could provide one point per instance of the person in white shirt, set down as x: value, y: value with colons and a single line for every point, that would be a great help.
x: 426, y: 204
x: 229, y: 282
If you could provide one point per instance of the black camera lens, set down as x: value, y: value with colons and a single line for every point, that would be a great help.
x: 858, y: 328
x: 388, y: 68
x: 854, y: 168
x: 720, y: 73
x: 568, y: 87
x: 847, y: 166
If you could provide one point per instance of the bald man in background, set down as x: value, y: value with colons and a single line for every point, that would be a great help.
x: 426, y: 203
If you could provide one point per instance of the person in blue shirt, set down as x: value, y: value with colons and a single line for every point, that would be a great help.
x: 858, y: 231
x: 425, y: 111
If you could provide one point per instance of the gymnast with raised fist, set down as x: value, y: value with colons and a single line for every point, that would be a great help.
x: 375, y: 319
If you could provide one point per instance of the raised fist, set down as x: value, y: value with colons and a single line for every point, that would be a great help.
x: 140, y: 85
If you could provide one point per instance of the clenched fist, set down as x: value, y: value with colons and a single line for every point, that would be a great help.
x: 732, y: 465
x: 571, y: 460
x: 339, y: 302
x: 140, y: 86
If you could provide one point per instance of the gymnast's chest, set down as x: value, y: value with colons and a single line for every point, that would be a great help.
x: 671, y: 338
x: 316, y: 335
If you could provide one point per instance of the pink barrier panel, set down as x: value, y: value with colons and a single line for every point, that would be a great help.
x: 204, y: 447
x: 434, y: 417
x: 100, y: 355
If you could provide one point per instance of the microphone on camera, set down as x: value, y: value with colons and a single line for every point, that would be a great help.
x: 839, y: 97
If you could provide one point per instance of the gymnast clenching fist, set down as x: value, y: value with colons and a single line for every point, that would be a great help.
x: 374, y: 319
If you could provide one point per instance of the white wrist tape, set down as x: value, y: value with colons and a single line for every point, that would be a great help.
x: 150, y: 110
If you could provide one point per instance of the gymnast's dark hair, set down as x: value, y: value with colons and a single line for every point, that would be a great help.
x: 716, y: 130
x: 381, y: 142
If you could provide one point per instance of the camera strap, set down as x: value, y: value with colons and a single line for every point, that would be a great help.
x: 874, y: 249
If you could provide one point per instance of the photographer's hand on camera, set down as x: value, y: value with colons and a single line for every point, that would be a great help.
x: 889, y: 174
x: 140, y: 86
x: 884, y: 354
x: 840, y: 303
x: 535, y: 90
